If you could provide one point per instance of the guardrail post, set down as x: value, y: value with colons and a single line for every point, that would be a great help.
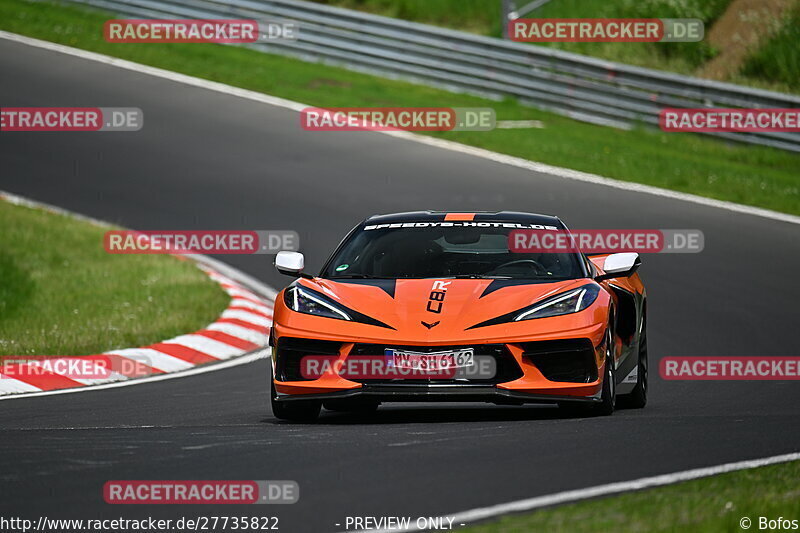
x: 506, y: 9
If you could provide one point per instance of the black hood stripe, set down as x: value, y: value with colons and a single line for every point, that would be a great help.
x: 497, y: 284
x: 387, y: 285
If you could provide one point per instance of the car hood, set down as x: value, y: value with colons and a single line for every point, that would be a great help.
x: 437, y: 308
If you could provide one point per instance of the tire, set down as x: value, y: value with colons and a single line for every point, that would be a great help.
x: 296, y: 410
x: 351, y: 406
x: 637, y: 398
x: 608, y: 396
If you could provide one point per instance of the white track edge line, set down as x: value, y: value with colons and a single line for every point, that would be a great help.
x: 439, y: 143
x: 202, y: 369
x: 530, y: 504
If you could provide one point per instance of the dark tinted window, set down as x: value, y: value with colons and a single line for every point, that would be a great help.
x: 440, y: 252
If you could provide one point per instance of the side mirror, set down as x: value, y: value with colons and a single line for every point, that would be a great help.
x: 290, y: 263
x: 620, y: 265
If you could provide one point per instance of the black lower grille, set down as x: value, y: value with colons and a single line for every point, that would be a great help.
x: 290, y: 352
x: 569, y: 360
x: 506, y: 365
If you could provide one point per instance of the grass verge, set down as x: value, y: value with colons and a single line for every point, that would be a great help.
x: 713, y: 505
x: 484, y: 18
x: 675, y: 57
x: 779, y: 58
x: 684, y: 162
x: 474, y: 16
x: 772, y: 67
x: 62, y: 294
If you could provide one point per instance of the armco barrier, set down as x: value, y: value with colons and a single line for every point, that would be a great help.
x: 581, y: 87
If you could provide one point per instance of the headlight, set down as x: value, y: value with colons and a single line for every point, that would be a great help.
x: 562, y: 304
x: 312, y: 303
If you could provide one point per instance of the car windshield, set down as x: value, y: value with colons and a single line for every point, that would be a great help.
x: 445, y: 251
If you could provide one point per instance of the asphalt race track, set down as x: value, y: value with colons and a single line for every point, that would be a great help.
x: 206, y: 160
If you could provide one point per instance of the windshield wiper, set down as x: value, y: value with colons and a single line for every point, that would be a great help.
x: 456, y: 276
x: 477, y: 276
x: 356, y: 276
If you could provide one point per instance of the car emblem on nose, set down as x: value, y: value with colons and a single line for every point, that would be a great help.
x: 429, y: 326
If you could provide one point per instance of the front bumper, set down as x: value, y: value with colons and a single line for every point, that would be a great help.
x: 439, y: 393
x: 539, y: 373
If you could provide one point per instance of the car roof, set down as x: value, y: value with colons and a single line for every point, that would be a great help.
x: 477, y: 216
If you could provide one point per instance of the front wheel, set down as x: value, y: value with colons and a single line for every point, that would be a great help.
x: 296, y: 410
x: 608, y: 396
x: 638, y: 396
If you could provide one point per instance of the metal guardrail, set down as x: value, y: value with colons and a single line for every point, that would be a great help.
x: 577, y: 86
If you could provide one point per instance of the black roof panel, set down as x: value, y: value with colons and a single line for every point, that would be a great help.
x: 480, y: 216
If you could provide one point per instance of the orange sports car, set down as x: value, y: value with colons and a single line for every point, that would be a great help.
x: 432, y: 306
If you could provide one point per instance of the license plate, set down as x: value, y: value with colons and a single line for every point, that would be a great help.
x: 431, y: 360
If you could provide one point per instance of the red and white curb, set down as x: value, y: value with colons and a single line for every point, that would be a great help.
x: 242, y: 328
